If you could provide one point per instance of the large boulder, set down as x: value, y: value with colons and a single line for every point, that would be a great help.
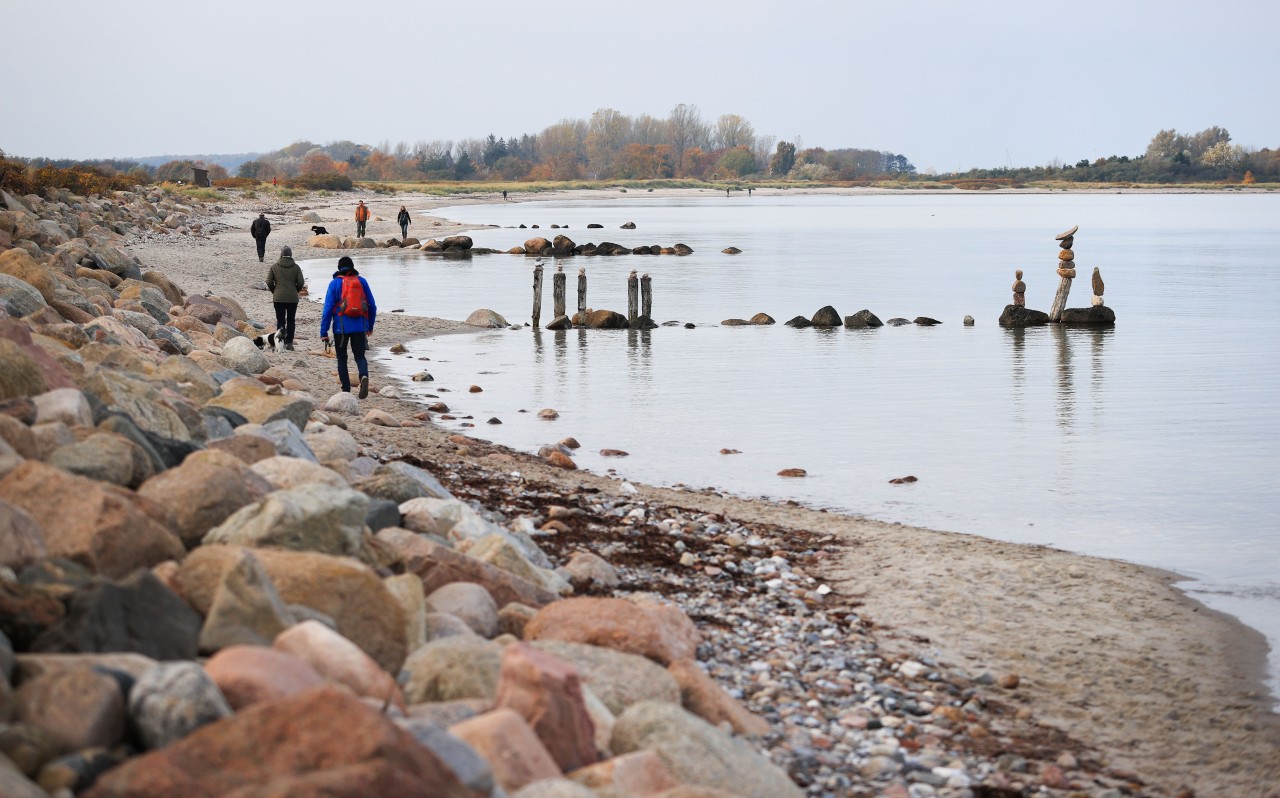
x: 826, y: 316
x: 172, y: 700
x: 18, y: 297
x: 346, y: 750
x: 547, y: 693
x: 438, y: 565
x: 698, y: 753
x: 661, y: 632
x: 1020, y: 316
x: 1095, y: 316
x: 151, y: 406
x: 244, y: 356
x: 108, y: 529
x: 138, y: 614
x: 617, y: 678
x: 204, y: 491
x: 510, y: 745
x: 246, y: 608
x: 862, y: 319
x: 327, y: 241
x: 75, y: 708
x: 486, y: 318
x: 603, y: 320
x: 457, y: 243
x: 249, y: 675
x: 451, y: 668
x: 536, y: 246
x: 312, y: 517
x: 261, y: 407
x: 26, y: 369
x: 339, y: 660
x: 21, y: 538
x: 364, y: 610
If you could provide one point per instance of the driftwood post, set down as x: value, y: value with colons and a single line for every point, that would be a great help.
x: 646, y: 296
x: 537, y: 293
x: 557, y: 292
x: 1066, y: 271
x: 582, y: 289
x: 633, y: 297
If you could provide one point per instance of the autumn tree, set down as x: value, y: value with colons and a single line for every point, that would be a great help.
x: 783, y: 160
x: 607, y: 133
x: 733, y: 131
x: 685, y: 129
x: 644, y: 162
x: 737, y: 162
x: 316, y: 163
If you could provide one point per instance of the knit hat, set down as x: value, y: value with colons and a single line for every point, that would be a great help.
x: 345, y: 264
x: 285, y: 251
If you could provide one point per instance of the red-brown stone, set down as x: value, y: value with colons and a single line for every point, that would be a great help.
x: 660, y: 632
x: 321, y: 743
x: 547, y: 692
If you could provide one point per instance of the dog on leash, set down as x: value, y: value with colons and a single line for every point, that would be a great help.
x: 318, y: 230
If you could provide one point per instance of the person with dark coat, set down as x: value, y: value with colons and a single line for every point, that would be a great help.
x: 285, y: 281
x: 260, y: 229
x: 403, y: 220
x: 351, y: 325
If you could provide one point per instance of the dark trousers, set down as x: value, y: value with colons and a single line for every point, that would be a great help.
x: 358, y: 345
x: 360, y: 229
x: 404, y: 230
x: 285, y: 312
x: 262, y: 248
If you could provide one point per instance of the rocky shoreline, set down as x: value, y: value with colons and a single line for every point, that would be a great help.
x: 493, y: 622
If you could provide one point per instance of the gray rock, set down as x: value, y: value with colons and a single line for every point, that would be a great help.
x: 460, y: 666
x: 67, y: 405
x: 698, y: 753
x: 1018, y: 316
x: 437, y: 625
x: 172, y: 700
x: 313, y: 517
x: 285, y: 435
x: 479, y: 318
x: 382, y: 513
x: 619, y: 679
x: 827, y: 316
x: 102, y: 457
x: 284, y: 473
x: 861, y: 320
x: 246, y: 609
x: 554, y: 788
x: 471, y: 769
x: 330, y: 443
x: 343, y: 402
x: 18, y: 298
x: 137, y: 614
x: 243, y: 355
x: 469, y: 602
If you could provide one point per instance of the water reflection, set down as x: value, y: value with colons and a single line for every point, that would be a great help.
x: 1069, y: 344
x: 1017, y: 338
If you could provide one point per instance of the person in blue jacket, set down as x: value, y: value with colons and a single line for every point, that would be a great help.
x: 350, y: 309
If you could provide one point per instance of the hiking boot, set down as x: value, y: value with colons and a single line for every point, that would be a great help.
x: 364, y: 387
x: 288, y: 345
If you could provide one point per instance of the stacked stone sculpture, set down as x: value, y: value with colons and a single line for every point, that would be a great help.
x: 1019, y: 289
x: 1018, y: 314
x: 1098, y: 287
x: 1066, y: 271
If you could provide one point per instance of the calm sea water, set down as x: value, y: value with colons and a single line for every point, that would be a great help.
x: 1156, y: 441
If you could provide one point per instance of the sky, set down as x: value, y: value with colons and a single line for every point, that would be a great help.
x: 951, y: 84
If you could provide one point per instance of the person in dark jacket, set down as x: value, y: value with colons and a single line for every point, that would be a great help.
x: 284, y: 281
x: 260, y: 229
x: 348, y: 329
x: 403, y: 220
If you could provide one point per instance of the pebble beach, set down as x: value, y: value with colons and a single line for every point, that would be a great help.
x: 792, y: 651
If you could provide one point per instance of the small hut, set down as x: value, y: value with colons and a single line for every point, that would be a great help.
x: 200, y: 177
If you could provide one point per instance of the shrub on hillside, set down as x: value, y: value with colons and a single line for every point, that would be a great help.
x: 17, y: 177
x: 326, y: 180
x: 235, y: 182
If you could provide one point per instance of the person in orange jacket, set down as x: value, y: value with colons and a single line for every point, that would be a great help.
x: 362, y: 216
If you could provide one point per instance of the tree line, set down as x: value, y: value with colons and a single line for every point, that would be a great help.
x: 608, y: 146
x: 1171, y: 157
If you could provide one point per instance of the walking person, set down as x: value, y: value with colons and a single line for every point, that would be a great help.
x: 350, y: 309
x: 403, y: 220
x: 260, y: 229
x: 362, y: 216
x: 285, y: 281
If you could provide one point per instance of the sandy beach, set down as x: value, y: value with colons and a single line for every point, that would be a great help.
x: 1146, y: 680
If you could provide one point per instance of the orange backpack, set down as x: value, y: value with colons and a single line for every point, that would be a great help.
x: 352, y: 302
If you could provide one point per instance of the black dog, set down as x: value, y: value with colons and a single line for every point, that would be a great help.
x: 320, y: 231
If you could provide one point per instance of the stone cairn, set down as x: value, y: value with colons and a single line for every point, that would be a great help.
x: 1066, y: 271
x: 1019, y: 289
x: 1098, y: 287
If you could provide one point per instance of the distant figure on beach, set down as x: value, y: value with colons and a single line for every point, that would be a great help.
x: 726, y: 192
x: 260, y: 229
x: 285, y: 281
x: 748, y: 191
x: 504, y: 196
x: 274, y: 181
x: 349, y: 308
x: 403, y: 220
x: 362, y: 216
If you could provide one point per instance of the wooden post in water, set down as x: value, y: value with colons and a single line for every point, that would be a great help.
x: 582, y: 289
x: 633, y: 297
x: 557, y: 292
x: 1066, y: 271
x: 646, y: 296
x: 537, y: 293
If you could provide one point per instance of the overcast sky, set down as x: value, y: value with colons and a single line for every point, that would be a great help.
x: 951, y: 84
